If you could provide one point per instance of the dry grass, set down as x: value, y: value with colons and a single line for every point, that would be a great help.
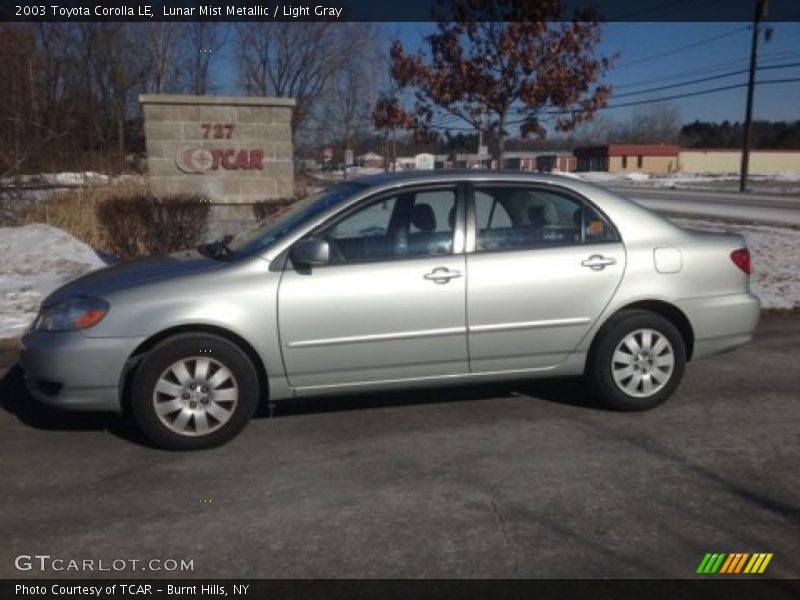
x: 76, y: 211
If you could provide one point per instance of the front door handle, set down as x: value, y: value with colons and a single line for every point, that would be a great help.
x: 441, y: 275
x: 598, y: 262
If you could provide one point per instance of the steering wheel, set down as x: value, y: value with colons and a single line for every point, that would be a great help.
x: 336, y: 251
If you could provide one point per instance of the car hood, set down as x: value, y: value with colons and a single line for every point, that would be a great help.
x: 132, y: 273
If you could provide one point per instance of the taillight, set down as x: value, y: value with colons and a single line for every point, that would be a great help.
x: 741, y: 258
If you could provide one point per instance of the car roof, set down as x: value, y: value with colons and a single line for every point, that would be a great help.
x: 448, y: 175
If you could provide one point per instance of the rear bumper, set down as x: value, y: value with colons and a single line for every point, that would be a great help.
x: 72, y: 371
x: 721, y: 323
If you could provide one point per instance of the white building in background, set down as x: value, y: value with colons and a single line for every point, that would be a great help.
x: 424, y: 162
x: 370, y: 160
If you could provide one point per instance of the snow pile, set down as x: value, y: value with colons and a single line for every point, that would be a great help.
x: 65, y: 179
x: 775, y: 254
x: 34, y: 260
x: 787, y: 176
x: 636, y: 176
x: 682, y: 179
x: 597, y: 176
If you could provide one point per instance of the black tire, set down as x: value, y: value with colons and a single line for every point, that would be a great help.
x: 184, y: 347
x: 601, y: 362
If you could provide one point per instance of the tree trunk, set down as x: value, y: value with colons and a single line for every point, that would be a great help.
x: 394, y: 150
x: 501, y: 142
x: 121, y: 135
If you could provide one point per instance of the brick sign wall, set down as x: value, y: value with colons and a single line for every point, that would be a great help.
x: 229, y: 149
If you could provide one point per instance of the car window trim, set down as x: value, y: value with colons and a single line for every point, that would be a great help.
x: 472, y: 224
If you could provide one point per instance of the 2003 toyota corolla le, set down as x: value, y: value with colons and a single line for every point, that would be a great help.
x: 396, y: 281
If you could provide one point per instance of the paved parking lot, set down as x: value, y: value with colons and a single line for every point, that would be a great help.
x: 526, y: 480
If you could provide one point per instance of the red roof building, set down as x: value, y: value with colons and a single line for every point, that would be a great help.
x: 615, y: 158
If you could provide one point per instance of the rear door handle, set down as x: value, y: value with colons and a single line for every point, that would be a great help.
x: 598, y: 262
x: 441, y: 275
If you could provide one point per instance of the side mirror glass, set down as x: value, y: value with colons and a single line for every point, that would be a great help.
x: 309, y: 252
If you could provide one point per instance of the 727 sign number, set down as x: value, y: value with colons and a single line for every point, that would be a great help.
x: 217, y: 131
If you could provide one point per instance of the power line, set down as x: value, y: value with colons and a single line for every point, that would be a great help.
x: 682, y: 48
x: 704, y: 79
x: 638, y: 102
x: 676, y: 96
x: 711, y: 69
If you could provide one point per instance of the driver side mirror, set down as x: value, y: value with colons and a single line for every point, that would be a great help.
x: 310, y: 252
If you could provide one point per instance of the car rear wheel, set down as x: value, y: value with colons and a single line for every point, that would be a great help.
x: 637, y: 361
x: 194, y: 391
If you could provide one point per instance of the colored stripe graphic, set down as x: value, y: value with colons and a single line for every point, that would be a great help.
x: 727, y: 564
x: 703, y: 563
x: 734, y: 563
x: 711, y: 563
x: 758, y: 563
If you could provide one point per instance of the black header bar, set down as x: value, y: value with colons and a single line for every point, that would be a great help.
x: 367, y: 10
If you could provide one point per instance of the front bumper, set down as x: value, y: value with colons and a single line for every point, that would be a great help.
x: 73, y: 371
x: 721, y: 323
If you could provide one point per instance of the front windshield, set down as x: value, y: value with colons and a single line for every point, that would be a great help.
x: 273, y: 228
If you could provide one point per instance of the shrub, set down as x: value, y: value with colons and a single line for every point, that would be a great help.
x: 143, y: 225
x: 75, y: 211
x: 12, y: 207
x: 267, y: 208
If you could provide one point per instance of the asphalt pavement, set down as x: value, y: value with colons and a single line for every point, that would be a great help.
x: 755, y: 208
x: 527, y: 480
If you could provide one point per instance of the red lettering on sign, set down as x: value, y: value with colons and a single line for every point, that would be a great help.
x: 231, y: 159
x: 243, y: 160
x: 257, y: 159
x: 227, y: 163
x: 217, y: 154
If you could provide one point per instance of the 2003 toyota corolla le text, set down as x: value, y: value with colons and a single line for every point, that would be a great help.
x: 396, y: 281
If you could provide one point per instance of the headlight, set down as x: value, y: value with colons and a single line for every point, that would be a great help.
x: 72, y: 314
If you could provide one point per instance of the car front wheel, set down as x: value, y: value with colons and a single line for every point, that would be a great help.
x: 194, y: 391
x: 637, y: 361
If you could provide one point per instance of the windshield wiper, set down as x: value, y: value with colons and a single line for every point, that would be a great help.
x: 218, y: 248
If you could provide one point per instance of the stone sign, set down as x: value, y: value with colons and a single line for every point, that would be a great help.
x: 232, y: 150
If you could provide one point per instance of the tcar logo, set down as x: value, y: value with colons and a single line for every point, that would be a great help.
x: 190, y: 159
x: 194, y: 160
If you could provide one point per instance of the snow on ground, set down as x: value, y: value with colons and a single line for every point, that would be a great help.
x: 782, y: 182
x: 775, y: 255
x: 680, y: 177
x: 34, y: 260
x: 65, y: 179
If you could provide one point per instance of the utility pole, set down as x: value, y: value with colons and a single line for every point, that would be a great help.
x: 761, y: 12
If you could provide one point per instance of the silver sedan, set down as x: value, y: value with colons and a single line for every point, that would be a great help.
x: 396, y: 281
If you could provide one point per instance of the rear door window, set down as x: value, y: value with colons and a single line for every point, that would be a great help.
x: 517, y: 217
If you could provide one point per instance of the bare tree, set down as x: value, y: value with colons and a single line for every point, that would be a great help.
x: 654, y: 123
x: 599, y: 130
x: 201, y: 44
x: 346, y: 115
x: 161, y: 47
x: 112, y: 54
x: 295, y: 60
